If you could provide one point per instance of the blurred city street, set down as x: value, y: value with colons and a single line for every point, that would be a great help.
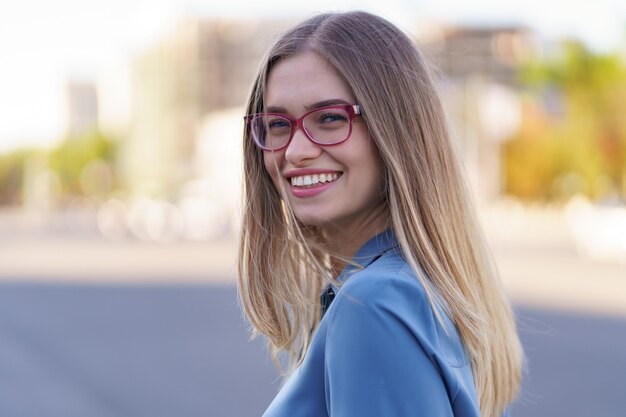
x: 100, y: 328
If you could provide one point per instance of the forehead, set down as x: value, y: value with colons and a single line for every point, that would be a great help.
x: 302, y: 79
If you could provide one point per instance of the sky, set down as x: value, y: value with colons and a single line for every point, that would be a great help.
x: 43, y: 43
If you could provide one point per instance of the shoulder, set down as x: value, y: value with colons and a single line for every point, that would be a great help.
x: 388, y: 295
x: 388, y: 281
x: 382, y: 335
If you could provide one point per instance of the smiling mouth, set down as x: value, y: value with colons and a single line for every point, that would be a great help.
x: 309, y: 181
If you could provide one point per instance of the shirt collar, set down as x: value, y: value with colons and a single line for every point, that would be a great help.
x: 373, y: 249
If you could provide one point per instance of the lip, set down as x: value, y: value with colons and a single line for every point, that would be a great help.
x: 310, y: 192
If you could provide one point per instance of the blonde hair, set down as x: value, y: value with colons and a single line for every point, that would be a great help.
x: 282, y: 268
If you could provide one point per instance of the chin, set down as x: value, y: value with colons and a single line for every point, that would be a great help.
x: 312, y: 220
x: 323, y: 222
x: 309, y: 218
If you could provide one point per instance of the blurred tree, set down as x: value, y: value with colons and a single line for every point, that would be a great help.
x: 84, y: 165
x: 74, y: 160
x: 12, y: 176
x: 573, y: 127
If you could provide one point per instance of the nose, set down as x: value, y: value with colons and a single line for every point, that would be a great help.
x: 301, y: 149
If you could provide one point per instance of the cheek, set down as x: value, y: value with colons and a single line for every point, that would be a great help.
x: 380, y: 172
x: 271, y: 161
x: 373, y: 169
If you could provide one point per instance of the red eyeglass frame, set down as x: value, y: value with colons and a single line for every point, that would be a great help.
x: 353, y: 111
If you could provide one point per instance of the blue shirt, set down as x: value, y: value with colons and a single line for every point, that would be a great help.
x: 379, y: 350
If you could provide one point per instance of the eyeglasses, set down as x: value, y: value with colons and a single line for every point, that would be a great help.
x: 325, y: 126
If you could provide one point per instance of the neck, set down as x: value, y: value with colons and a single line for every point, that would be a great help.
x: 345, y: 240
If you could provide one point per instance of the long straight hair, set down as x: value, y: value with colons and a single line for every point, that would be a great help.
x: 282, y: 266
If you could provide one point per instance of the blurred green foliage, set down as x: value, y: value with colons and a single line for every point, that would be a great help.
x: 70, y: 159
x: 573, y: 135
x: 72, y: 163
x: 12, y: 175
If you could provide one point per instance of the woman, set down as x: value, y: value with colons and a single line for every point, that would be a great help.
x: 352, y: 191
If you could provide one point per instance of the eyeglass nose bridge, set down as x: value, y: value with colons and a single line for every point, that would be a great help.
x: 299, y: 124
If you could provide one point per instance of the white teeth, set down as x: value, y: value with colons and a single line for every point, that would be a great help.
x: 309, y: 180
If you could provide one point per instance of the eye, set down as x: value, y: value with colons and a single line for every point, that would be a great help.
x: 331, y: 117
x: 278, y: 124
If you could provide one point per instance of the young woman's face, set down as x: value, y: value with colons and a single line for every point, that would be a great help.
x: 294, y: 86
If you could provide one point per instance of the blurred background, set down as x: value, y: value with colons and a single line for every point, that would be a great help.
x: 120, y: 172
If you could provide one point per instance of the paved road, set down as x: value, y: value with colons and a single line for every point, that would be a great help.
x: 576, y: 364
x: 77, y: 351
x: 72, y: 350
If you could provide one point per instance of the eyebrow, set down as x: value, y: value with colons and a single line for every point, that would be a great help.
x: 319, y: 104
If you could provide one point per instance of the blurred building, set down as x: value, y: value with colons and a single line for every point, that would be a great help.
x: 202, y: 66
x: 491, y: 53
x: 40, y: 186
x: 82, y: 107
x: 478, y: 74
